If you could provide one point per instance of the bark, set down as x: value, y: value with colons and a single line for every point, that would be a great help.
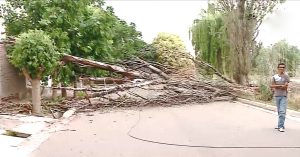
x: 63, y: 91
x: 103, y: 66
x: 154, y: 69
x: 36, y: 96
x: 219, y: 60
x: 214, y: 69
x: 54, y: 91
x: 104, y: 80
x: 75, y: 92
x: 119, y: 88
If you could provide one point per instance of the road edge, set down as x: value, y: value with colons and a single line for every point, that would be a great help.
x: 291, y: 114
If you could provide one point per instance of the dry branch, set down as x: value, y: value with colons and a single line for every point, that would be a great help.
x: 104, y: 80
x: 154, y: 69
x: 214, y: 69
x: 103, y: 66
x: 119, y: 88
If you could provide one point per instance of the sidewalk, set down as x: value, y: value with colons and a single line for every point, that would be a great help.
x: 39, y: 129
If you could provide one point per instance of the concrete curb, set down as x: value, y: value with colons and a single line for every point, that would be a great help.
x: 290, y: 113
x: 69, y: 113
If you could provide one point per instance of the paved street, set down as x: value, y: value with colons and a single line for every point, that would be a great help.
x: 216, y: 124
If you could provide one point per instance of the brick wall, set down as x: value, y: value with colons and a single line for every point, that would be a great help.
x: 11, y: 81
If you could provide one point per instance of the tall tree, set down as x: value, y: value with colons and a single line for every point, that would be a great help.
x: 242, y: 20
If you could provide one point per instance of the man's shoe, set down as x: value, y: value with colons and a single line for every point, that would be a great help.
x: 281, y: 129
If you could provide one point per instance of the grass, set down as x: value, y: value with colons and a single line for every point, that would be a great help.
x: 294, y: 99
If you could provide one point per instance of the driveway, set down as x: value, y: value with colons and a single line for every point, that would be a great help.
x: 220, y: 124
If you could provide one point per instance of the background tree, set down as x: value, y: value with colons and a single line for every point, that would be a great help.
x: 36, y: 56
x: 242, y: 20
x: 267, y: 61
x: 171, y: 51
x: 209, y: 39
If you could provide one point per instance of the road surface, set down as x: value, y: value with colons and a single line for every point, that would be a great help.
x: 220, y: 124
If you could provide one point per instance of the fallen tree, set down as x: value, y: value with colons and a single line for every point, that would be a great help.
x: 113, y: 68
x: 202, y: 63
x: 104, y: 80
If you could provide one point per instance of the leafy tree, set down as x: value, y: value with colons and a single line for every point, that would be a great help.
x: 242, y: 20
x: 35, y: 54
x: 288, y: 54
x: 209, y: 38
x: 267, y: 61
x: 280, y: 52
x: 170, y: 50
x: 148, y: 52
x: 82, y: 28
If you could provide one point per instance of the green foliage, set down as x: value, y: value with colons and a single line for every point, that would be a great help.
x: 80, y: 95
x: 242, y: 19
x: 81, y: 28
x: 170, y: 50
x: 209, y: 38
x: 265, y: 92
x: 280, y: 52
x: 148, y: 52
x: 34, y: 52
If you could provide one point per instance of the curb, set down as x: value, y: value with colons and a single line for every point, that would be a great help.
x: 69, y: 113
x: 290, y: 113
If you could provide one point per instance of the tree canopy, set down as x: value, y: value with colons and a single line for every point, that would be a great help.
x: 35, y: 54
x: 171, y: 50
x: 225, y: 35
x: 83, y: 28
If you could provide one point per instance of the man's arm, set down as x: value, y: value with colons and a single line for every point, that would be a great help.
x: 274, y: 85
x: 277, y: 86
x: 287, y: 81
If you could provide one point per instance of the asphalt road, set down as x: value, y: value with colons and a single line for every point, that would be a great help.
x: 221, y: 124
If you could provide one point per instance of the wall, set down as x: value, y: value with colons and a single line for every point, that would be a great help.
x: 11, y: 80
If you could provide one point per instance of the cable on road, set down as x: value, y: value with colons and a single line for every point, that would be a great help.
x: 202, y: 146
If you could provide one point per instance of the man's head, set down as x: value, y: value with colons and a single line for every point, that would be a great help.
x: 281, y: 68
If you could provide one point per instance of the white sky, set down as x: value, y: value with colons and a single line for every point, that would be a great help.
x: 283, y: 23
x: 176, y: 16
x: 155, y: 16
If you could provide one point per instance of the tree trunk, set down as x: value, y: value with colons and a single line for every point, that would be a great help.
x: 75, y: 86
x: 113, y: 68
x: 36, y: 96
x: 220, y: 61
x: 54, y: 91
x: 63, y: 91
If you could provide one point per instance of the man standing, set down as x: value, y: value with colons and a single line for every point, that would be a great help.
x: 280, y: 84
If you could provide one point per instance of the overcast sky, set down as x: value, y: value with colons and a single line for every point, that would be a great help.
x: 154, y: 16
x: 283, y: 23
x: 176, y: 16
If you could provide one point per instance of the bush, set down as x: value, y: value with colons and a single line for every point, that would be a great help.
x: 265, y: 92
x: 170, y: 50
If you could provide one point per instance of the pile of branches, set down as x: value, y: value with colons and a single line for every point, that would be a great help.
x: 137, y: 75
x: 169, y: 93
